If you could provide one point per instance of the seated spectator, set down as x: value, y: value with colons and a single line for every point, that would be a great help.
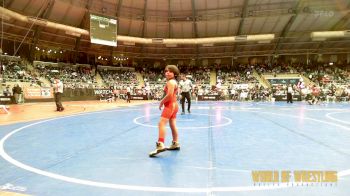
x: 7, y: 91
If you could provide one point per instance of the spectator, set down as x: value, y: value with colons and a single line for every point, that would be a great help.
x: 58, y: 89
x: 7, y: 91
x: 17, y: 93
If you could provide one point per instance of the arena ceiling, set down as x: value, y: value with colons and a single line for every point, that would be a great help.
x: 292, y: 22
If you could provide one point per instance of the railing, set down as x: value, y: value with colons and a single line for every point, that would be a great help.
x: 262, y: 80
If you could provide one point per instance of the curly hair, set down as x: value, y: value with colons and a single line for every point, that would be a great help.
x: 174, y: 69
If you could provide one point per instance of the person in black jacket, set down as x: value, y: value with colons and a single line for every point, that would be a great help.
x: 290, y: 93
x: 17, y: 93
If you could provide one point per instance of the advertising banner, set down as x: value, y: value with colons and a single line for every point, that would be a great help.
x: 38, y: 93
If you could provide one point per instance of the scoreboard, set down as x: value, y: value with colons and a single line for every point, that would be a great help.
x: 103, y: 30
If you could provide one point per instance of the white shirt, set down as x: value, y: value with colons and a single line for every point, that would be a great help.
x: 186, y: 85
x: 148, y: 89
x: 200, y: 91
x: 58, y: 86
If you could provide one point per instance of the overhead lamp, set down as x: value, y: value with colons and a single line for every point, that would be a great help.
x: 207, y: 40
x: 260, y: 37
x: 330, y: 34
x: 208, y: 44
x: 241, y: 38
x: 157, y: 40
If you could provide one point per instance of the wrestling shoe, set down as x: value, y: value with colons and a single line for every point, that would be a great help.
x: 159, y: 148
x: 174, y: 146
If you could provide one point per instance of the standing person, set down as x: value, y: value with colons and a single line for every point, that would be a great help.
x: 58, y: 89
x: 185, y: 87
x: 17, y: 92
x: 195, y: 93
x: 315, y: 93
x: 148, y: 91
x: 128, y: 94
x: 169, y: 112
x: 115, y: 94
x: 289, y: 94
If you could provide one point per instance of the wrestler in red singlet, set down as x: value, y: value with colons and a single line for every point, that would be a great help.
x: 170, y: 107
x: 169, y: 113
